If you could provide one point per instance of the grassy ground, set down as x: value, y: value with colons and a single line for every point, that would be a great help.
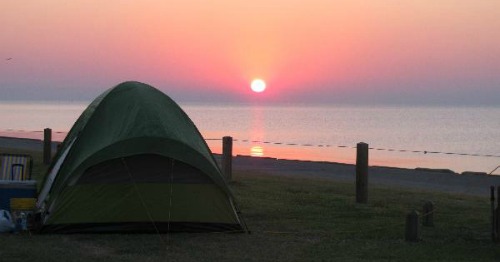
x: 292, y: 220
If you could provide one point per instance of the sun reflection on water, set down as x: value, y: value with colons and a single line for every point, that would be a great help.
x: 257, y: 151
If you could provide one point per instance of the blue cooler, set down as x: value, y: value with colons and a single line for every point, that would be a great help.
x: 15, y: 189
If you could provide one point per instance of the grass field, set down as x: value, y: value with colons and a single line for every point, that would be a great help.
x: 292, y: 220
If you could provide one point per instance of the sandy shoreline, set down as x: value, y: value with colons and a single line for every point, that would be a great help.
x: 380, y: 176
x: 429, y: 180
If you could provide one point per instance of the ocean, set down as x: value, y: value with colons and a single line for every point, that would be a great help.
x: 456, y: 138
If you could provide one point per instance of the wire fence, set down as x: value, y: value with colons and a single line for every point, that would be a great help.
x: 280, y: 143
x: 59, y: 136
x: 354, y: 147
x: 484, y: 167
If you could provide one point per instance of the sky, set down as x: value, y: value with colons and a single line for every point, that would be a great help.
x: 315, y: 51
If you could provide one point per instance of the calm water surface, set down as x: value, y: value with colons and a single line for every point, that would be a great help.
x: 318, y: 131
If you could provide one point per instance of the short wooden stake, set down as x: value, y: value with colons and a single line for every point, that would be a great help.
x: 362, y: 173
x: 493, y: 215
x: 227, y: 157
x: 412, y: 229
x: 497, y: 216
x: 47, y: 145
x: 428, y: 214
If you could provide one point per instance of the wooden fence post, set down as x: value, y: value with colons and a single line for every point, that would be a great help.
x: 411, y: 229
x: 47, y: 145
x: 428, y: 214
x: 362, y: 173
x: 227, y: 157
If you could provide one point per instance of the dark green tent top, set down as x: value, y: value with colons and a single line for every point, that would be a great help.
x: 134, y: 161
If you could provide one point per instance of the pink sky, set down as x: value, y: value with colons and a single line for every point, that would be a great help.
x: 305, y: 50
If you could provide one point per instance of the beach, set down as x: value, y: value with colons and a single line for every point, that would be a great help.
x: 398, y: 178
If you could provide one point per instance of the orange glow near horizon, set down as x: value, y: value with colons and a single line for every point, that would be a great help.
x: 297, y: 46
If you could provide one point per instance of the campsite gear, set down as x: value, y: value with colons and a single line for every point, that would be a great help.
x: 24, y: 221
x: 21, y: 222
x: 6, y: 225
x: 15, y: 189
x: 15, y: 167
x: 21, y: 209
x: 135, y: 162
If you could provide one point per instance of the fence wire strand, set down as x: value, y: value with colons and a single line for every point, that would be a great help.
x: 312, y: 145
x: 353, y: 147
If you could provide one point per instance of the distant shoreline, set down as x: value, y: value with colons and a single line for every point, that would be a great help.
x: 30, y: 144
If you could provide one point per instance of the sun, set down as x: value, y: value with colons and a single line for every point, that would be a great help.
x: 258, y: 85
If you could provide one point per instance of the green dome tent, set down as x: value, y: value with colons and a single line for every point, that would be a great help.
x: 135, y: 162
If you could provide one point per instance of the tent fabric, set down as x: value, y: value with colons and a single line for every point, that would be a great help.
x: 135, y: 158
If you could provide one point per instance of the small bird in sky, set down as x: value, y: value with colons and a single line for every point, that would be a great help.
x: 10, y: 58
